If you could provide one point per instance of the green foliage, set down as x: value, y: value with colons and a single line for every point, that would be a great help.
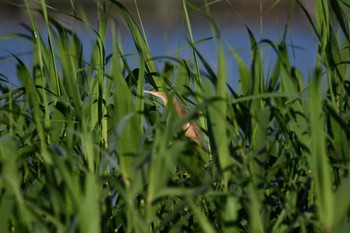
x: 83, y: 149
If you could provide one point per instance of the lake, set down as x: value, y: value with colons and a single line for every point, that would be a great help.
x: 166, y: 29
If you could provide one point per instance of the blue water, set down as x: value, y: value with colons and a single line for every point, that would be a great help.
x: 169, y: 40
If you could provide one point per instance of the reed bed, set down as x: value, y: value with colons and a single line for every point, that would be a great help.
x: 84, y: 149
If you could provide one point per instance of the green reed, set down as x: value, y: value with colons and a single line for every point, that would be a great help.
x: 83, y: 149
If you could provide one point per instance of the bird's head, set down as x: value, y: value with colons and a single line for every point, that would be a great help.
x: 159, y: 94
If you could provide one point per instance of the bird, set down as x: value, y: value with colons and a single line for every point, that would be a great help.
x: 190, y: 128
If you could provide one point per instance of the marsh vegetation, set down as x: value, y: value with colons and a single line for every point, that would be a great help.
x: 84, y: 149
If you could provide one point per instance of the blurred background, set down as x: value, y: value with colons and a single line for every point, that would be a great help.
x: 166, y: 29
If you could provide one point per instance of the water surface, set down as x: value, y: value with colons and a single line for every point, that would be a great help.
x: 166, y: 32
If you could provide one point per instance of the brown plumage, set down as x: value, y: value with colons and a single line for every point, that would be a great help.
x: 191, y: 129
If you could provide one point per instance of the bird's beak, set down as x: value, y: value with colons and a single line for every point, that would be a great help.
x: 159, y: 94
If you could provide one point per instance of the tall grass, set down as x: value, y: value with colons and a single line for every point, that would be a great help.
x: 83, y: 149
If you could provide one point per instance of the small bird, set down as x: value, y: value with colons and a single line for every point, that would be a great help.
x: 190, y: 128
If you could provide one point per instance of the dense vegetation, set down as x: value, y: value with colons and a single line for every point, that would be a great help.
x: 84, y: 149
